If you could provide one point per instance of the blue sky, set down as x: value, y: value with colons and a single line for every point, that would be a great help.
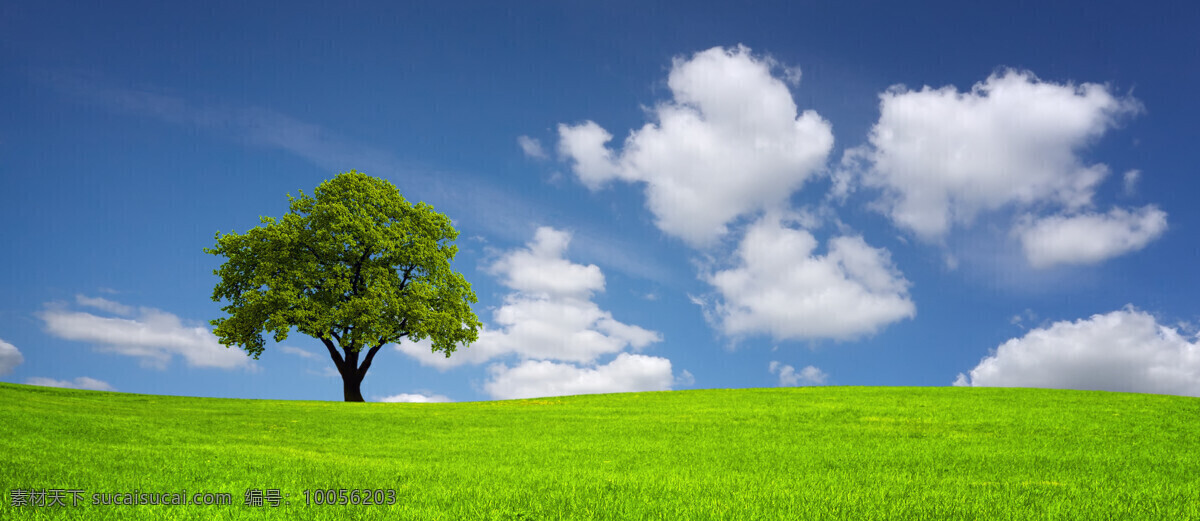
x: 650, y: 196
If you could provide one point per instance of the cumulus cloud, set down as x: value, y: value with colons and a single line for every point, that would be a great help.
x: 782, y: 288
x: 153, y: 336
x: 1125, y: 350
x: 1088, y: 238
x: 415, y: 398
x: 531, y: 147
x: 536, y: 378
x: 83, y: 382
x: 541, y: 269
x: 730, y: 141
x: 548, y: 316
x: 789, y: 377
x: 10, y: 357
x: 942, y: 156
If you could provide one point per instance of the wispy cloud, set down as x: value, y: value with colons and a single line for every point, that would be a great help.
x: 326, y: 372
x: 104, y: 304
x: 83, y: 382
x: 475, y: 200
x: 297, y: 351
x: 532, y: 147
x: 685, y: 379
x: 249, y: 125
x: 152, y: 336
x: 1130, y: 183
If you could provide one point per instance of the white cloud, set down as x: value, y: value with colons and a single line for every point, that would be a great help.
x: 532, y: 378
x: 549, y: 316
x: 1125, y: 350
x: 789, y: 377
x: 541, y: 269
x: 298, y: 351
x: 104, y: 304
x: 10, y: 357
x: 1088, y: 238
x: 326, y: 372
x: 729, y: 143
x: 1020, y: 318
x: 415, y: 398
x: 531, y: 147
x: 781, y: 288
x: 154, y: 336
x: 477, y: 353
x: 593, y: 162
x: 1131, y: 179
x: 83, y: 382
x: 685, y: 379
x: 792, y: 75
x: 942, y: 156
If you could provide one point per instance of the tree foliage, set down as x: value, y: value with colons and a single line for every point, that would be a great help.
x: 357, y: 266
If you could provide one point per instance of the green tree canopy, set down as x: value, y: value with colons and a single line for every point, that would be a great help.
x: 357, y: 267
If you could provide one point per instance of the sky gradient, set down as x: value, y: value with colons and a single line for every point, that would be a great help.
x: 650, y: 196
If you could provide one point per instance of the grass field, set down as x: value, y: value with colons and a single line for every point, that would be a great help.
x: 788, y: 453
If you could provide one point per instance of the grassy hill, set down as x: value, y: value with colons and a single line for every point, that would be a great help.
x: 788, y: 453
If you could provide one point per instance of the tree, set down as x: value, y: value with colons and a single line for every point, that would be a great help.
x: 356, y: 267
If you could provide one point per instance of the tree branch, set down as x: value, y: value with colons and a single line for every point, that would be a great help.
x: 362, y: 370
x: 358, y: 270
x: 310, y: 248
x: 337, y: 357
x: 320, y: 261
x: 404, y: 281
x: 349, y: 328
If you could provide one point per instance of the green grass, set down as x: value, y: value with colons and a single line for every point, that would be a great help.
x: 789, y: 453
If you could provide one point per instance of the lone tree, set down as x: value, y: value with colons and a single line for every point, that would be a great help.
x: 356, y: 267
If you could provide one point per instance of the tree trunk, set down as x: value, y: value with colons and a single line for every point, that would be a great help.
x: 351, y: 387
x: 352, y: 373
